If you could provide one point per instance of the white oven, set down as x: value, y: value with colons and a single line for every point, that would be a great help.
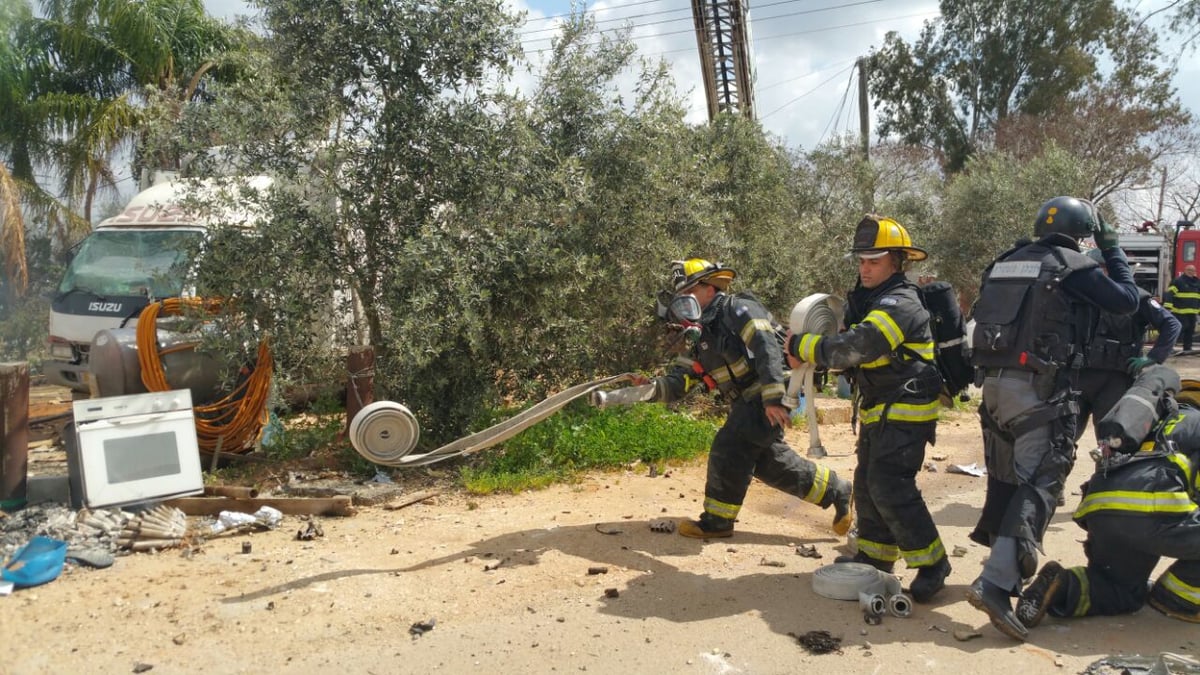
x: 134, y: 448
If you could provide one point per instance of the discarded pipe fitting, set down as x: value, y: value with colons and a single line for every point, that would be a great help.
x: 900, y: 605
x: 873, y: 604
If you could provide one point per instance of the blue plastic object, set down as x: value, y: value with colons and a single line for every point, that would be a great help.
x: 38, y: 562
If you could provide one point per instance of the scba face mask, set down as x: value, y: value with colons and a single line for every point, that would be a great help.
x: 681, y: 312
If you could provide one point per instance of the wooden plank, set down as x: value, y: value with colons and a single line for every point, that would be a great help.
x: 292, y: 506
x: 411, y: 499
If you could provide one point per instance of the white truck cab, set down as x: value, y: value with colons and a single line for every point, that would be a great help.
x: 136, y: 257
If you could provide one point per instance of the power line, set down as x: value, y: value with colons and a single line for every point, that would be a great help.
x: 801, y: 77
x: 601, y: 9
x: 837, y: 111
x: 825, y: 82
x: 764, y: 39
x: 753, y: 20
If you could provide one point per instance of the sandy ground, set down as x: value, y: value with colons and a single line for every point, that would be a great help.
x: 561, y: 580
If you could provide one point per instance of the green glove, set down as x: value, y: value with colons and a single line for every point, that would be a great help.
x: 1105, y: 235
x: 1136, y: 364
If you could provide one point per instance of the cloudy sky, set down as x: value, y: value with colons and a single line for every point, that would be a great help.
x: 803, y: 51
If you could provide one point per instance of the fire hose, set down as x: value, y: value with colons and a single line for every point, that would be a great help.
x: 819, y: 313
x: 876, y: 592
x: 386, y: 432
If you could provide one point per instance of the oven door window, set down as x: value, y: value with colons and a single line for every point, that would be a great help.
x: 140, y: 457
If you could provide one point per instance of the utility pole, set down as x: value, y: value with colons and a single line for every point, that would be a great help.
x: 864, y: 110
x: 722, y: 35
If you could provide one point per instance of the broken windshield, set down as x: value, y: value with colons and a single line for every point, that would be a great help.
x: 123, y: 262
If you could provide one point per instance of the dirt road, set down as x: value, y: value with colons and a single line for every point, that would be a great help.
x: 513, y: 584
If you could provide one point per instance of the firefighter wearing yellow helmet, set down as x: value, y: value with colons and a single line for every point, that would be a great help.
x: 887, y: 350
x: 737, y: 351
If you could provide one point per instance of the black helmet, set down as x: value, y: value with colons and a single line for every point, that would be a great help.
x: 1071, y: 216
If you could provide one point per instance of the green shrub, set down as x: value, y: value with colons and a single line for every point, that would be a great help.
x: 580, y: 438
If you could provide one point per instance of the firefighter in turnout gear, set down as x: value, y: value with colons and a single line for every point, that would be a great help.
x: 887, y: 348
x: 1032, y: 323
x: 737, y: 351
x: 1114, y: 355
x: 1183, y: 300
x: 1137, y: 508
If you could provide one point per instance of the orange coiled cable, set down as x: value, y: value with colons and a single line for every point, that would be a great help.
x: 236, y: 419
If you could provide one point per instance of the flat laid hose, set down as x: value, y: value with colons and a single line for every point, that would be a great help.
x: 819, y: 313
x: 386, y: 432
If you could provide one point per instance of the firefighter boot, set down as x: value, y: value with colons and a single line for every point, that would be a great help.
x: 930, y: 580
x: 707, y: 527
x: 1173, y: 608
x: 997, y: 604
x: 1040, y: 594
x: 843, y: 506
x: 860, y: 557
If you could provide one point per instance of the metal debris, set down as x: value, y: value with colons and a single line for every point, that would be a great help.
x: 665, y: 525
x: 819, y: 642
x: 310, y: 532
x: 597, y: 570
x: 964, y: 635
x: 808, y: 551
x: 611, y: 593
x: 770, y: 563
x: 83, y: 530
x: 421, y: 627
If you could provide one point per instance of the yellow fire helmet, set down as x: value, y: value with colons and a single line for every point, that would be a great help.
x: 688, y: 273
x: 878, y: 235
x: 1189, y: 392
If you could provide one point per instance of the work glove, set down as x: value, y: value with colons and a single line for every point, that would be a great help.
x: 1105, y: 235
x: 1137, y: 363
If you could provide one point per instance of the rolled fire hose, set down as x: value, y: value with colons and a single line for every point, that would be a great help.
x: 873, y: 589
x: 818, y: 313
x: 386, y: 432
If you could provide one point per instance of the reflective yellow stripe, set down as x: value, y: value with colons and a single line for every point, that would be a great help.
x: 891, y: 332
x: 922, y: 349
x: 1177, y: 587
x: 807, y: 349
x: 819, y: 485
x: 901, y: 412
x: 926, y: 556
x: 776, y: 390
x: 1135, y: 502
x: 752, y: 391
x: 878, y: 551
x: 757, y: 326
x: 880, y: 362
x: 1170, y: 425
x: 740, y: 367
x: 721, y: 509
x: 1084, y: 605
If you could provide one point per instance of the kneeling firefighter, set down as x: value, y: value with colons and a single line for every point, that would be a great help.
x: 887, y: 348
x: 1137, y: 507
x: 735, y: 348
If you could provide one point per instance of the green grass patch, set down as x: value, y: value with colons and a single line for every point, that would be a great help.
x: 580, y: 438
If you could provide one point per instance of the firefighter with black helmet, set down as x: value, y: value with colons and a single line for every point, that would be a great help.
x: 887, y: 348
x: 1137, y: 508
x: 1032, y: 324
x: 735, y: 348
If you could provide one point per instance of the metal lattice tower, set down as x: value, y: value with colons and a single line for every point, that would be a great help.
x: 722, y: 34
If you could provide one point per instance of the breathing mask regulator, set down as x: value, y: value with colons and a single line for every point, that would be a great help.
x: 681, y: 313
